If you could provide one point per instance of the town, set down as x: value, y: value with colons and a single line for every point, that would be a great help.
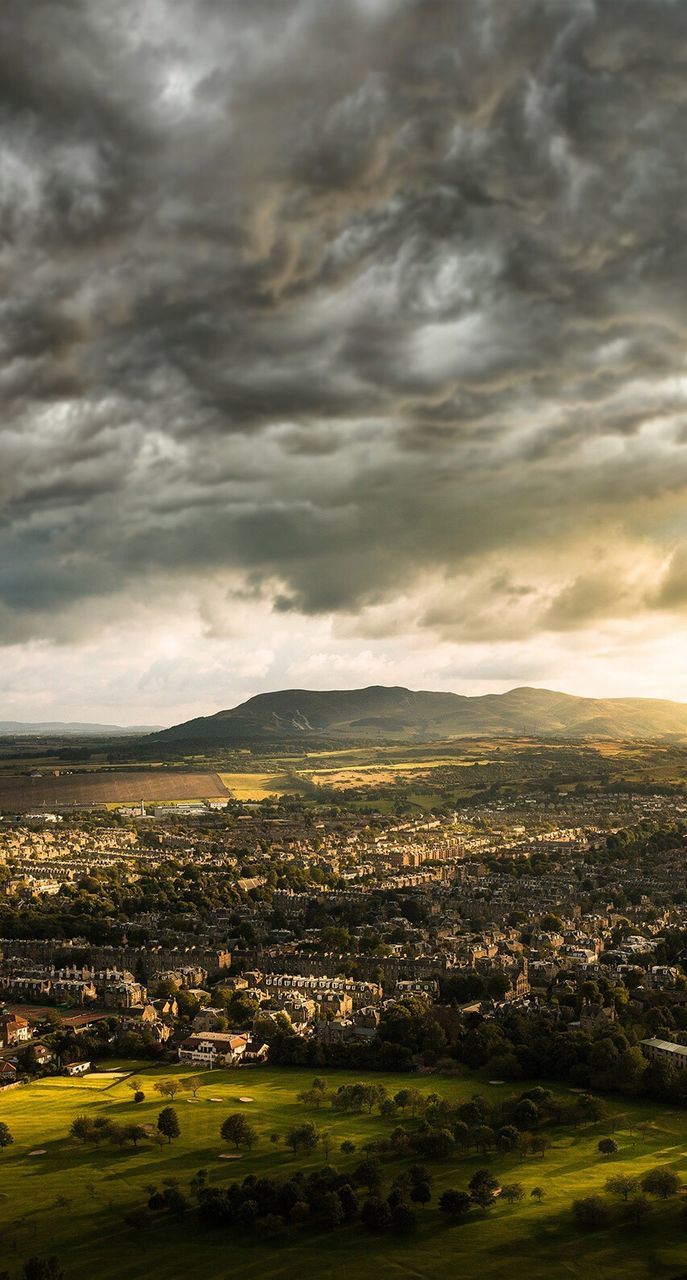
x: 278, y: 932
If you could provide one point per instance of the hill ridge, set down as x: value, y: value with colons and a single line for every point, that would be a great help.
x: 394, y: 712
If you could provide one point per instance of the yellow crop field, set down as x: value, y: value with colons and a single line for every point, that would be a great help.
x: 256, y: 786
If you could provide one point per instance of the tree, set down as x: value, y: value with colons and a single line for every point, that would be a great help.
x: 139, y: 1096
x: 192, y: 1084
x: 368, y: 1174
x: 375, y: 1214
x: 607, y: 1147
x: 455, y: 1204
x: 590, y: 1212
x: 42, y: 1269
x: 526, y: 1114
x: 315, y: 1096
x: 134, y: 1133
x: 331, y: 1210
x: 622, y: 1185
x: 437, y: 1144
x: 403, y: 1220
x: 421, y: 1193
x: 636, y: 1209
x: 238, y: 1129
x: 506, y: 1138
x: 588, y: 1107
x: 482, y: 1137
x: 198, y: 1182
x: 347, y: 1147
x: 302, y: 1137
x: 661, y: 1182
x: 540, y: 1143
x: 167, y: 1088
x: 175, y: 1201
x: 6, y: 1138
x: 168, y: 1123
x: 513, y: 1191
x: 81, y: 1128
x: 538, y: 1193
x: 482, y: 1186
x: 134, y: 1084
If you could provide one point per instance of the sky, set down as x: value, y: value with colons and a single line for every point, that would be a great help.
x: 340, y: 344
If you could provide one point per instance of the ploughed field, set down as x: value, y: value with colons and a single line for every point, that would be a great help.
x: 71, y: 1199
x: 108, y: 786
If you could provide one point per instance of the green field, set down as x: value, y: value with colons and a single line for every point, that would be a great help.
x: 72, y: 1199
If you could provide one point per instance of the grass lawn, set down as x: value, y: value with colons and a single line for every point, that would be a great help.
x: 71, y: 1200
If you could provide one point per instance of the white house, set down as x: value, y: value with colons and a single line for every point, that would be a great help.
x: 213, y: 1048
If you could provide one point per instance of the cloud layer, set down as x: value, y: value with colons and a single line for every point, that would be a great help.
x: 369, y: 313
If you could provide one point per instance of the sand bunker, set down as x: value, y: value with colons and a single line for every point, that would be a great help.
x: 40, y: 1151
x: 230, y: 1155
x: 246, y: 1099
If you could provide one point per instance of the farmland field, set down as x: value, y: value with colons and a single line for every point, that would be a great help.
x: 71, y: 1200
x: 424, y: 776
x: 105, y: 786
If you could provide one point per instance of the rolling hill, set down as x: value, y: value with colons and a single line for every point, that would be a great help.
x: 69, y: 729
x: 395, y: 714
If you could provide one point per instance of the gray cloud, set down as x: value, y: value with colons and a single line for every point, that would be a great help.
x: 343, y: 297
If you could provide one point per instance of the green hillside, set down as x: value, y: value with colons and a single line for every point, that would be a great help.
x: 396, y: 714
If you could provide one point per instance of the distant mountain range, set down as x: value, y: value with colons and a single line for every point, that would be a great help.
x: 395, y: 714
x: 70, y: 729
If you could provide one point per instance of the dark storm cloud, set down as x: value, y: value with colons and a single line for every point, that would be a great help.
x: 340, y: 297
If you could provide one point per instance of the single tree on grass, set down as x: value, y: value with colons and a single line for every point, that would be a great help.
x: 302, y: 1137
x: 167, y: 1088
x: 455, y: 1204
x: 607, y: 1147
x: 6, y: 1138
x: 537, y: 1193
x: 192, y: 1084
x: 512, y: 1192
x: 168, y: 1123
x: 622, y: 1185
x: 661, y: 1182
x: 134, y: 1084
x: 540, y: 1144
x: 315, y: 1096
x: 135, y: 1133
x: 238, y: 1129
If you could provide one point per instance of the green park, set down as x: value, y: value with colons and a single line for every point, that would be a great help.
x: 92, y: 1178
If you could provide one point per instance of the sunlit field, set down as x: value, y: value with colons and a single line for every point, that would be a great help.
x: 71, y: 1200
